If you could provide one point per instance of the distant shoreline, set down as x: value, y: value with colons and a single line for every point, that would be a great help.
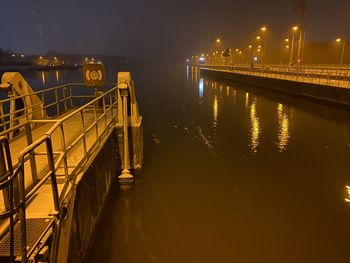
x: 4, y: 68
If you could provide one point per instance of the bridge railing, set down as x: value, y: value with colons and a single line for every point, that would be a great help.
x: 334, y: 77
x: 96, y: 119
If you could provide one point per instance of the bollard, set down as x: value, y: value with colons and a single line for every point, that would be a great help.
x: 126, y: 165
x: 129, y: 128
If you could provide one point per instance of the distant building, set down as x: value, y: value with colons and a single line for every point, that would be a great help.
x: 41, y: 61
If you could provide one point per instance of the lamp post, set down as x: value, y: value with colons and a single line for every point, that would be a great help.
x: 302, y: 8
x: 294, y: 29
x: 234, y: 51
x: 217, y: 41
x: 339, y: 40
x: 288, y: 53
x: 263, y: 31
x: 251, y: 56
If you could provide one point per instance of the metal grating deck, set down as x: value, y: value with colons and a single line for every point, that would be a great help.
x: 36, y: 227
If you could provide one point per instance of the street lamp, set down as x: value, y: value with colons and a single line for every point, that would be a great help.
x: 234, y: 52
x: 250, y: 47
x: 294, y: 29
x: 217, y: 41
x: 263, y: 30
x: 339, y: 40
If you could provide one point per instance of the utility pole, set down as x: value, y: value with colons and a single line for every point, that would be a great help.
x: 301, y: 6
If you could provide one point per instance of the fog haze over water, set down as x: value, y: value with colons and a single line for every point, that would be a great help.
x: 165, y: 30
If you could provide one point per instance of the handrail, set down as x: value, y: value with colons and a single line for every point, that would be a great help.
x: 23, y: 197
x: 60, y: 94
x: 42, y: 91
x: 9, y: 184
x: 78, y: 110
x: 109, y: 105
x: 49, y: 89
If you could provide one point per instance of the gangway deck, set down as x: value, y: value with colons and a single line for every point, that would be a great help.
x: 46, y: 155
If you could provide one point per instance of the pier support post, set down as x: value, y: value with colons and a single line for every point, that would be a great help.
x: 126, y: 168
x: 129, y: 127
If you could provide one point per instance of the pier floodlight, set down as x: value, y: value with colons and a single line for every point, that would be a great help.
x: 295, y: 28
x: 258, y: 37
x: 218, y: 40
x: 263, y: 28
x: 338, y: 40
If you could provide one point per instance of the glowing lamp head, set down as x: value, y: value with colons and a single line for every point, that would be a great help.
x: 295, y: 28
x: 338, y: 40
x: 218, y: 40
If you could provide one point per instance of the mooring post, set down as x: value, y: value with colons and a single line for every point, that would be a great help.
x: 126, y: 169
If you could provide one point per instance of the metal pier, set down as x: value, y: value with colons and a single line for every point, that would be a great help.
x: 43, y: 146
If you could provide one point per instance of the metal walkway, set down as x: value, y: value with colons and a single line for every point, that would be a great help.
x: 41, y: 157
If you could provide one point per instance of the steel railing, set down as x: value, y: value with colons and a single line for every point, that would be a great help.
x: 103, y: 110
x: 339, y: 78
x: 54, y: 101
x: 13, y: 181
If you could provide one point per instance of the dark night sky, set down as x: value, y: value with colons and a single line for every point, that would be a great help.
x: 158, y: 28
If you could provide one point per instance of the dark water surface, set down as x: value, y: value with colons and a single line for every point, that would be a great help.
x: 238, y: 175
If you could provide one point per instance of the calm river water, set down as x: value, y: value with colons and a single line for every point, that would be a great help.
x: 232, y: 174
